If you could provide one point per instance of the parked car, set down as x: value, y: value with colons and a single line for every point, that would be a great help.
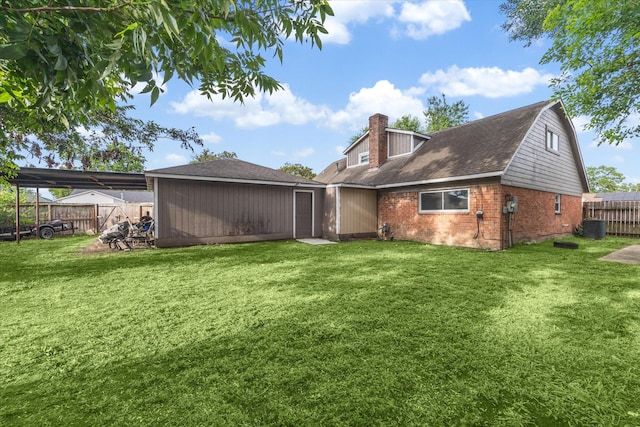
x: 48, y: 229
x: 8, y: 232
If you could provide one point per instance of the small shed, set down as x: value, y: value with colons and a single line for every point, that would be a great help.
x: 230, y: 200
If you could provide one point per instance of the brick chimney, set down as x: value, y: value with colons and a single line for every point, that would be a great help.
x: 377, y: 140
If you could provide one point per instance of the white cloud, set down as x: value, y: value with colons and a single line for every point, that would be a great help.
x: 175, y: 159
x: 279, y: 153
x: 281, y: 107
x: 432, y: 17
x: 211, y: 138
x: 383, y: 97
x: 305, y: 152
x: 491, y: 82
x: 580, y: 124
x: 624, y: 145
x: 217, y: 108
x: 346, y: 12
x: 618, y: 158
x: 284, y: 107
x: 417, y: 20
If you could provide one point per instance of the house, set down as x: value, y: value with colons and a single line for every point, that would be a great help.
x: 111, y: 206
x: 512, y: 177
x: 515, y: 176
x: 230, y: 200
x: 107, y: 197
x: 629, y: 196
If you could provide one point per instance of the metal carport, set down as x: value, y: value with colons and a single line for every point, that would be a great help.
x: 64, y: 178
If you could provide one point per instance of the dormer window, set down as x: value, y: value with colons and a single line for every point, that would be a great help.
x: 363, y: 158
x: 553, y: 141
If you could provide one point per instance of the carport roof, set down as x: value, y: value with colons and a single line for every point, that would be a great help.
x: 90, y: 180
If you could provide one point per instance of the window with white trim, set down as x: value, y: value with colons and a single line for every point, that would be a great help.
x: 558, y: 203
x: 448, y: 200
x: 553, y: 141
x: 363, y: 158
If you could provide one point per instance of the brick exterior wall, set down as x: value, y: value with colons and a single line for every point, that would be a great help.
x: 377, y: 139
x: 535, y: 220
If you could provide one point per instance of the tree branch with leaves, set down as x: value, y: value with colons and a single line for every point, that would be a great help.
x: 597, y: 45
x: 60, y: 66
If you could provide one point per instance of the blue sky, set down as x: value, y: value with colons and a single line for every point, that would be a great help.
x: 379, y: 57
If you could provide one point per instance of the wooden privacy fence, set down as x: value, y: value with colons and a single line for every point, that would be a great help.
x: 85, y: 217
x: 622, y: 218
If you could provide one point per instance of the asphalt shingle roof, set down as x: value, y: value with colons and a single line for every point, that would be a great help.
x: 632, y: 196
x: 232, y: 169
x: 479, y: 147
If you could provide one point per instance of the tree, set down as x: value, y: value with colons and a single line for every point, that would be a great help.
x: 298, y: 170
x: 59, y: 193
x: 408, y: 122
x: 597, y: 47
x: 440, y: 115
x: 606, y: 179
x: 358, y: 135
x: 114, y: 142
x: 207, y: 155
x: 633, y: 187
x: 61, y: 65
x: 7, y: 205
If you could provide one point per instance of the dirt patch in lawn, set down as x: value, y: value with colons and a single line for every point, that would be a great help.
x: 96, y: 246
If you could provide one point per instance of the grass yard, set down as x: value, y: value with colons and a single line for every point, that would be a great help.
x: 360, y: 334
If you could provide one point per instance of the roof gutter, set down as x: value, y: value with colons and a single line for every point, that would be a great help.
x: 346, y: 185
x: 441, y: 180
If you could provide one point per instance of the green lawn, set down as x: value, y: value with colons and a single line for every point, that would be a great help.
x: 363, y: 333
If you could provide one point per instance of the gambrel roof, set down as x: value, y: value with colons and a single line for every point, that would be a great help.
x: 479, y: 149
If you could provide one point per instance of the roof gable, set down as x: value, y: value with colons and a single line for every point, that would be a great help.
x: 479, y: 148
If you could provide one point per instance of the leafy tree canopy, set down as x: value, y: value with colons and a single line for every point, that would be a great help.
x: 298, y: 170
x: 67, y: 60
x: 207, y: 155
x: 441, y: 115
x: 59, y: 193
x: 7, y: 205
x: 607, y: 179
x: 61, y: 65
x: 358, y: 135
x: 113, y: 142
x: 597, y: 46
x: 408, y: 122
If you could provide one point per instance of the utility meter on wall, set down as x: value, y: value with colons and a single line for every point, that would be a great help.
x: 512, y: 205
